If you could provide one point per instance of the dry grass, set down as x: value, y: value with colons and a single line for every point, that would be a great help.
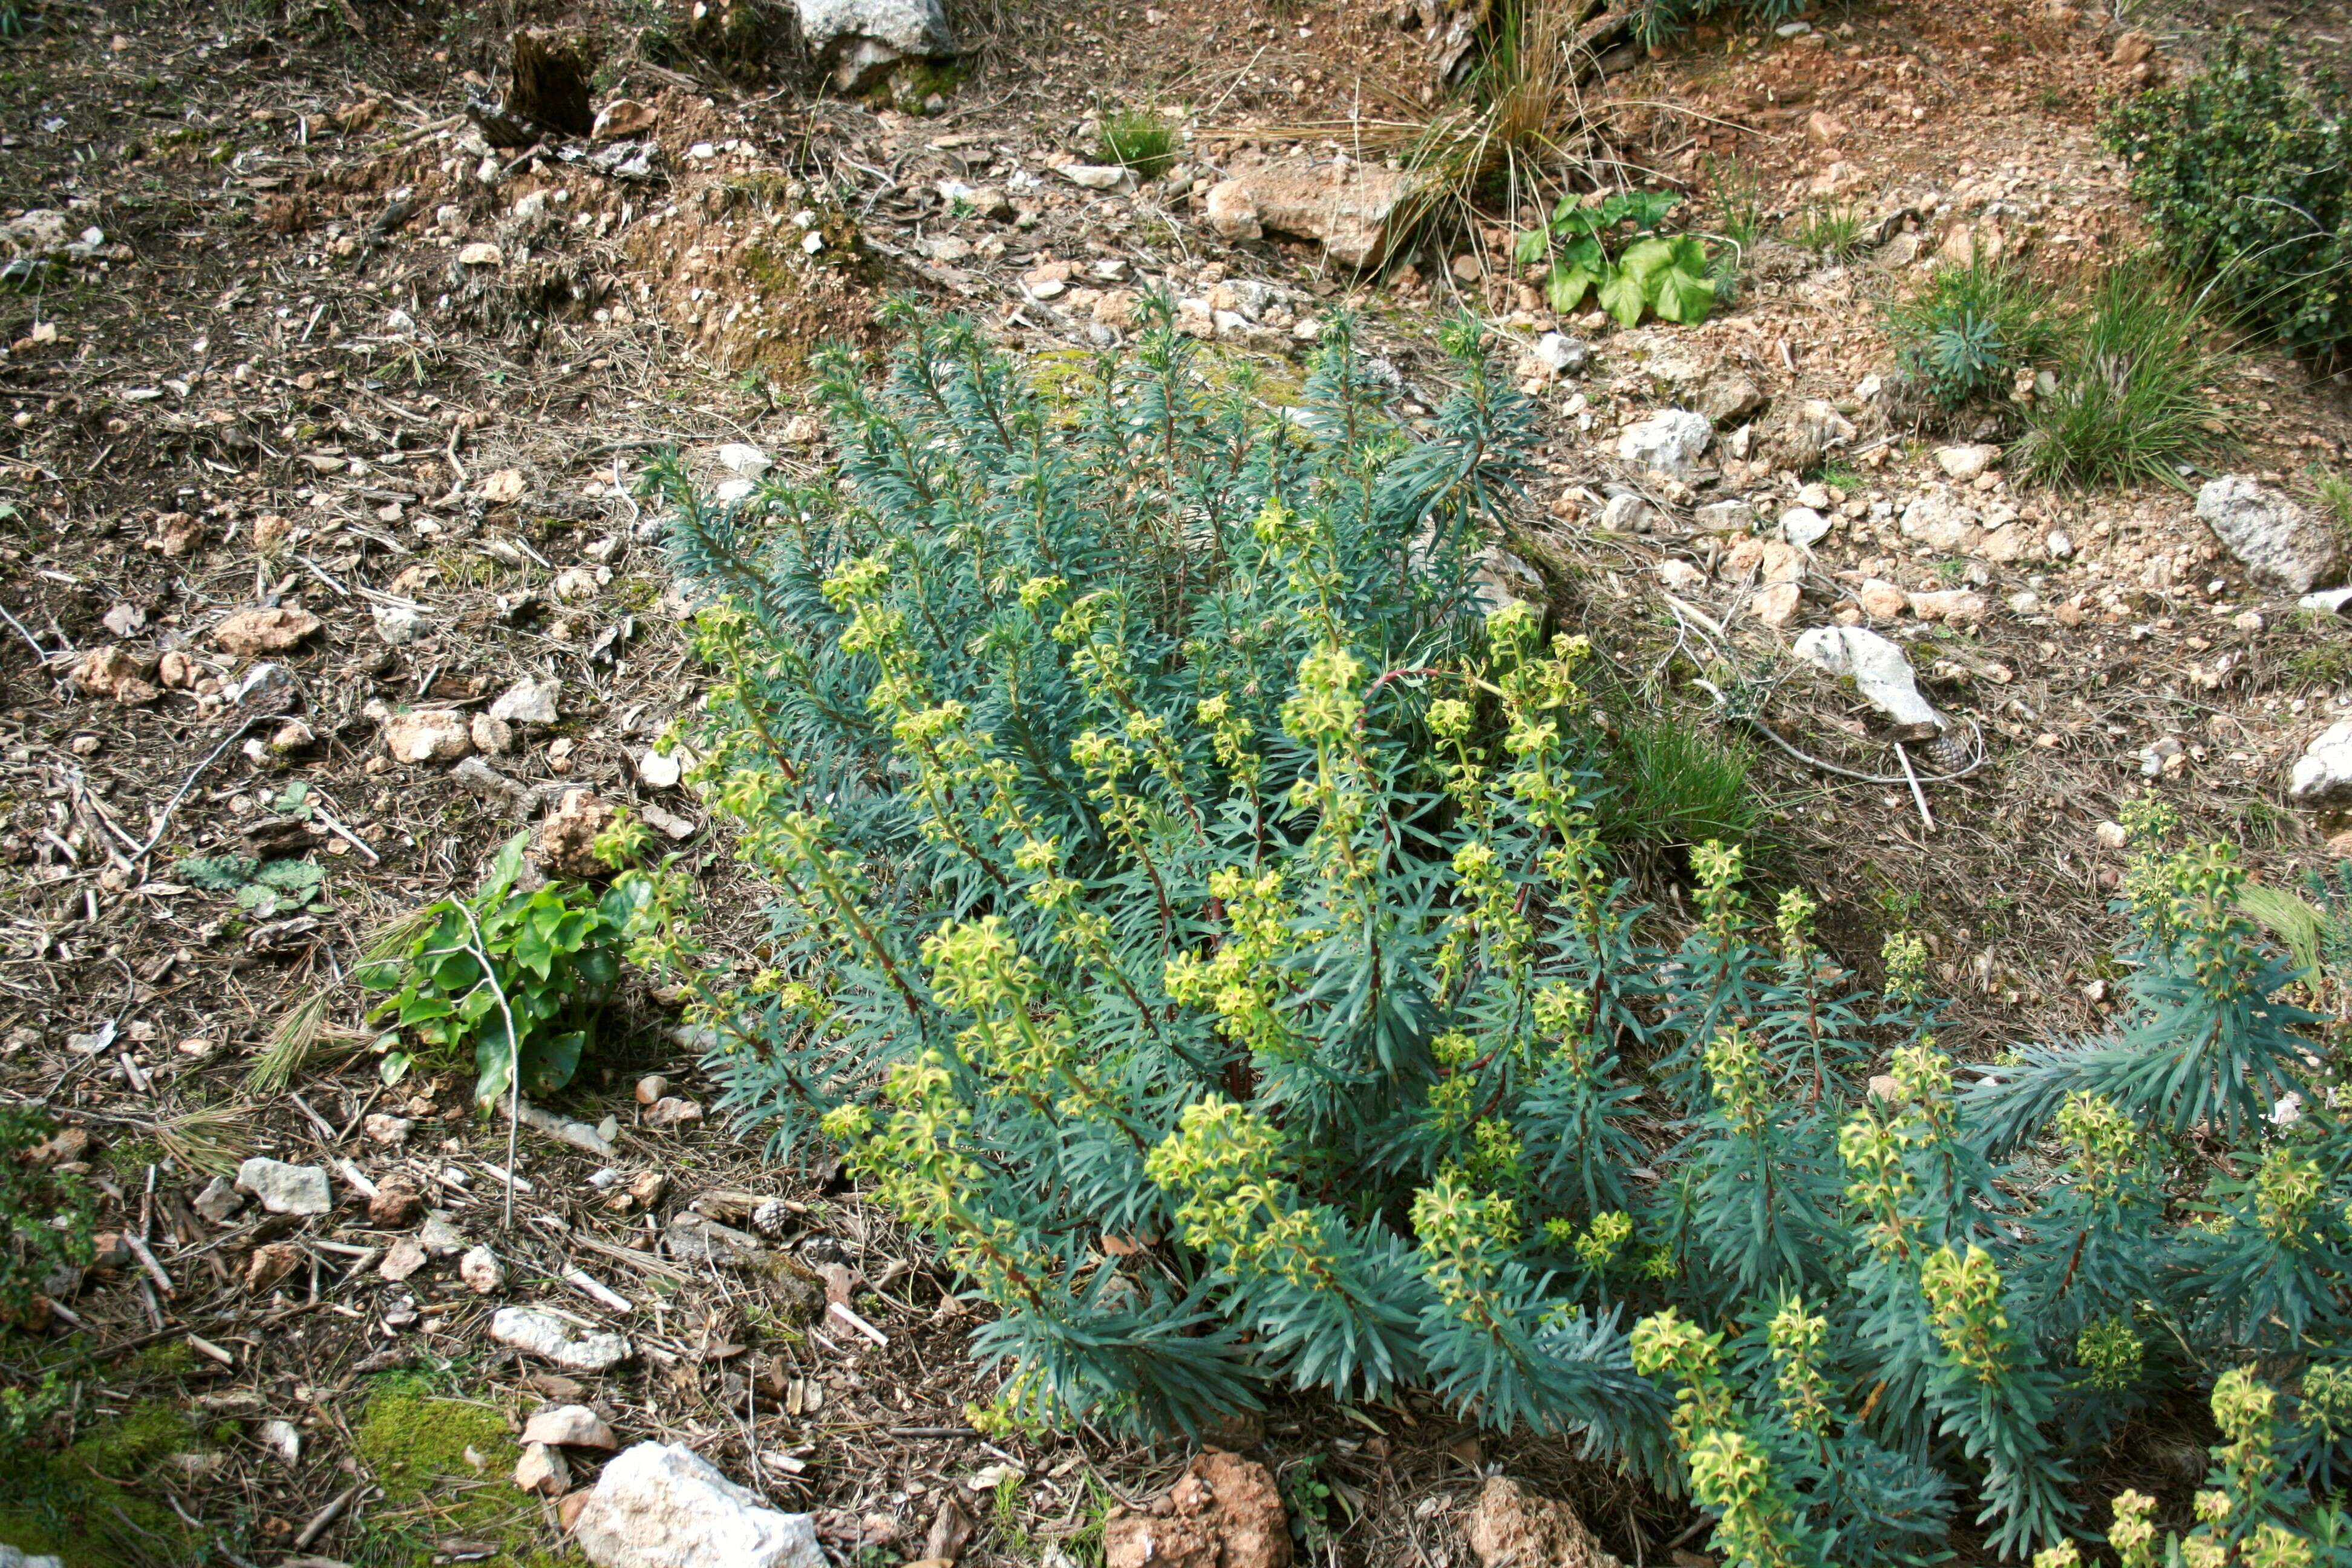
x: 1502, y: 139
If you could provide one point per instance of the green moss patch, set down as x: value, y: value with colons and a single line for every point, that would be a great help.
x: 424, y: 1451
x: 90, y: 1504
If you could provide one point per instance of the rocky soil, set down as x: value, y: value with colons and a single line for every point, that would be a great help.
x: 323, y: 547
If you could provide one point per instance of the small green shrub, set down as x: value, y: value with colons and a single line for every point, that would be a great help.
x: 519, y: 975
x: 1969, y: 332
x: 1676, y: 785
x: 2134, y: 398
x: 1188, y: 912
x: 1614, y: 250
x: 2247, y: 174
x: 1140, y: 140
x: 45, y: 1217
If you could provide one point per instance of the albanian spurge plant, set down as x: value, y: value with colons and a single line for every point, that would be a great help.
x: 1189, y: 913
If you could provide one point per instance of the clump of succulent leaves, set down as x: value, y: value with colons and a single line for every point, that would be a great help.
x: 1187, y: 911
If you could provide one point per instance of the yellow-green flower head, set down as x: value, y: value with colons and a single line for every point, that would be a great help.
x: 1450, y: 718
x: 857, y: 581
x: 2242, y: 1405
x: 2110, y: 1354
x: 2287, y: 1192
x: 1328, y: 700
x: 2133, y: 1532
x: 1906, y: 956
x: 1037, y: 591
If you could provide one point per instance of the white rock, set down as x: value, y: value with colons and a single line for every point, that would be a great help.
x: 10, y: 1557
x: 441, y: 1234
x: 1877, y: 668
x: 1671, y: 441
x: 219, y: 1200
x: 860, y: 40
x: 1628, y: 514
x: 2326, y: 602
x: 659, y: 769
x: 569, y: 1426
x: 2111, y: 835
x: 2276, y: 538
x: 284, y: 1441
x: 482, y: 1272
x: 286, y: 1189
x: 549, y: 1338
x: 1727, y: 517
x: 527, y: 702
x: 662, y: 1505
x: 1964, y: 464
x: 1937, y: 521
x: 2058, y: 544
x: 398, y: 624
x: 1561, y: 354
x: 1094, y: 176
x: 427, y: 735
x: 2323, y: 774
x: 742, y: 459
x: 1681, y: 576
x: 1802, y: 526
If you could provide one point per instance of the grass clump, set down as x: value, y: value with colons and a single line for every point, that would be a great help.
x: 1676, y: 785
x: 2247, y: 174
x: 2134, y: 398
x: 1737, y: 199
x: 1832, y: 229
x: 1143, y: 140
x: 1964, y: 337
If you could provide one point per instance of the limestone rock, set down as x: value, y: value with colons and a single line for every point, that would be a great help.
x: 427, y: 735
x: 2276, y: 539
x: 1671, y: 441
x: 569, y: 1426
x: 219, y: 1200
x: 622, y: 117
x: 1802, y: 526
x: 1938, y: 522
x: 859, y: 41
x: 551, y: 1339
x: 1729, y: 397
x: 1879, y: 671
x: 664, y: 1506
x: 271, y: 630
x: 527, y: 702
x: 286, y: 1189
x: 1955, y: 607
x: 2323, y: 774
x: 542, y: 1470
x: 1346, y: 209
x: 1562, y: 355
x: 1966, y: 463
x: 1513, y: 1528
x: 483, y: 1273
x: 1726, y: 517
